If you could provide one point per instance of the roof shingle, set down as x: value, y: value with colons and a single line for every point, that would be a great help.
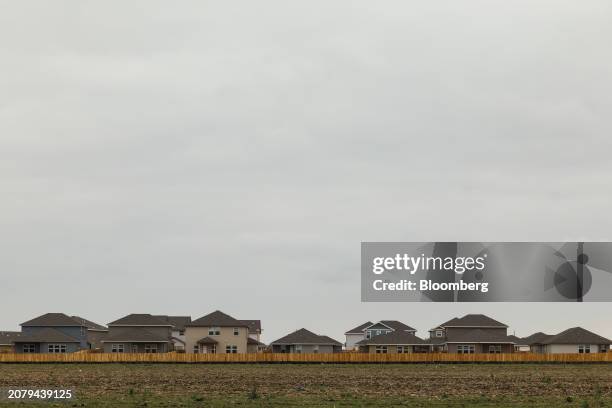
x: 217, y: 319
x: 303, y: 336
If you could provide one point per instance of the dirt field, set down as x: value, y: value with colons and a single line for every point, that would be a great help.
x: 422, y: 385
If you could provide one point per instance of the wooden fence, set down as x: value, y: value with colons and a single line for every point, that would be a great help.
x: 338, y: 358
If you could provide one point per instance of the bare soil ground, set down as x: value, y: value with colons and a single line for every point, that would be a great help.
x: 586, y: 385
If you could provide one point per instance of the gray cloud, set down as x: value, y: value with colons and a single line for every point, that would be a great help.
x: 233, y: 155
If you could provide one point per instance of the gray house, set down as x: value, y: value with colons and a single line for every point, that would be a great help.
x: 368, y: 330
x: 305, y: 341
x: 52, y: 333
x: 394, y: 342
x: 138, y: 333
x: 472, y: 333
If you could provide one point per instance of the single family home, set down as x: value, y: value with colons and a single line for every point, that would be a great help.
x: 368, y: 330
x: 217, y: 332
x: 138, y: 333
x: 305, y: 341
x: 394, y: 342
x: 574, y: 340
x: 472, y: 333
x: 52, y: 333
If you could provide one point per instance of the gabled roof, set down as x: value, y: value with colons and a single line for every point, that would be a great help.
x: 133, y: 335
x: 478, y: 336
x: 7, y: 337
x: 89, y: 324
x: 178, y: 322
x: 207, y: 340
x: 536, y: 338
x: 397, y: 337
x: 359, y: 329
x: 576, y: 335
x: 140, y: 319
x: 217, y: 319
x: 254, y: 342
x: 472, y: 320
x: 46, y: 335
x: 397, y: 325
x: 53, y: 319
x: 303, y: 336
x: 254, y: 326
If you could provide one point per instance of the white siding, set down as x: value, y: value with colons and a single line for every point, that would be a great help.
x: 568, y: 348
x: 351, y: 339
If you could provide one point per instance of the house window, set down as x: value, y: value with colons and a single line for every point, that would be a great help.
x: 439, y: 333
x: 150, y: 348
x: 298, y: 348
x: 29, y: 348
x: 466, y: 349
x: 196, y: 349
x: 116, y: 348
x: 229, y: 349
x: 368, y: 334
x: 584, y: 348
x: 402, y: 349
x: 381, y: 349
x: 134, y: 348
x: 181, y: 332
x: 214, y: 331
x: 212, y: 349
x: 236, y: 331
x: 495, y: 349
x: 315, y: 348
x: 603, y: 348
x: 56, y: 348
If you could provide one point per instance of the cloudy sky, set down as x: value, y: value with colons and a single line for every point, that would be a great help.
x: 177, y: 159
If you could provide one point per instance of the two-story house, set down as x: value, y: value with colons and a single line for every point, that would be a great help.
x: 138, y: 333
x: 52, y: 333
x: 368, y: 330
x: 472, y: 333
x: 217, y: 332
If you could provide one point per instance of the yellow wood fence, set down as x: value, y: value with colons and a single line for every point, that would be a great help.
x: 305, y: 358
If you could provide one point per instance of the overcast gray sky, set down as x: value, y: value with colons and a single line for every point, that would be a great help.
x: 181, y: 158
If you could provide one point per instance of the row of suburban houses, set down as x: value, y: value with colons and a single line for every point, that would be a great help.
x: 218, y: 332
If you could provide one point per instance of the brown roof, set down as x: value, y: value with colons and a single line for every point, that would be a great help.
x: 207, y: 340
x: 217, y: 319
x: 472, y: 320
x: 89, y: 324
x: 253, y: 341
x: 53, y: 319
x: 478, y: 336
x: 397, y: 325
x: 576, y: 335
x: 303, y: 336
x: 140, y: 319
x: 178, y: 322
x: 7, y: 337
x: 359, y: 329
x: 47, y: 335
x: 254, y: 326
x: 133, y: 335
x: 536, y: 338
x: 397, y: 337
